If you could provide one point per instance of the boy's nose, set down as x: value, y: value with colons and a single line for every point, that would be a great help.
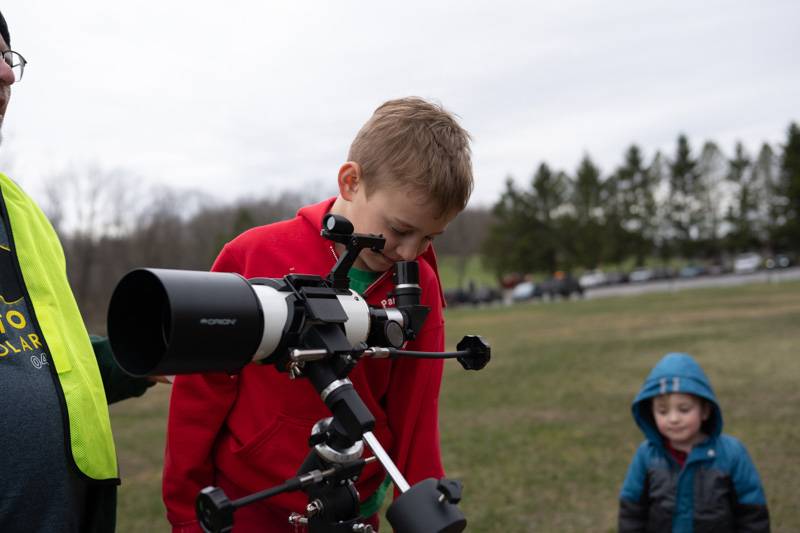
x: 408, y: 250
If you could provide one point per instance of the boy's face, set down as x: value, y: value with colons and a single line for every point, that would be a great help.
x: 679, y: 418
x: 407, y: 221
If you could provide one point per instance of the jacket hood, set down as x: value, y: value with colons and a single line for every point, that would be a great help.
x: 675, y: 372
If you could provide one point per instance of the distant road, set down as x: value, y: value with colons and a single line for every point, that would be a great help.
x: 678, y: 284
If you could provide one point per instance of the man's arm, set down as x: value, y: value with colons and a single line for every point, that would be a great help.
x: 118, y: 384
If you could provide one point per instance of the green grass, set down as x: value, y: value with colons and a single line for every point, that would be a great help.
x: 474, y: 270
x: 542, y: 437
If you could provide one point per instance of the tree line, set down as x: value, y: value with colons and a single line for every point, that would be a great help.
x: 692, y: 205
x: 109, y: 224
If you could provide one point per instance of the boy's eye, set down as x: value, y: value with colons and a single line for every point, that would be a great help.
x: 400, y: 232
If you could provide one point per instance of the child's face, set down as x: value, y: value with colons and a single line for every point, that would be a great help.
x: 406, y: 220
x: 679, y: 418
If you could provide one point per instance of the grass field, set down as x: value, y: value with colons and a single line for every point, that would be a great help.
x: 473, y: 271
x: 542, y: 437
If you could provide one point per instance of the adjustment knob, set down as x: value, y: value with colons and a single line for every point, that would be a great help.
x: 479, y: 352
x: 450, y: 489
x: 214, y: 510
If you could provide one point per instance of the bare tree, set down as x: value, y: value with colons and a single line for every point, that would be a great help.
x: 86, y: 206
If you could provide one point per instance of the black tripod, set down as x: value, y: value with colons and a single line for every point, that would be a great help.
x: 335, y: 461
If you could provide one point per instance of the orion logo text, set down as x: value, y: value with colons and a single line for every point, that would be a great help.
x: 218, y: 321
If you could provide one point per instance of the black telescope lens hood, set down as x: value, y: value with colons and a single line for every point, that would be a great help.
x: 164, y: 321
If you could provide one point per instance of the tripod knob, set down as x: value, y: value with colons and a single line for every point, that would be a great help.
x: 214, y: 510
x: 479, y: 352
x: 450, y: 489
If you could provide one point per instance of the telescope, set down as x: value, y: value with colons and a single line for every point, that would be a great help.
x: 163, y: 322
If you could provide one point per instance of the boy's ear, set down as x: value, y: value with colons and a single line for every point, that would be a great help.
x: 349, y: 180
x: 706, y: 409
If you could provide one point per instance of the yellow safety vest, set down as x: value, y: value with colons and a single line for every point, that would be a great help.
x: 41, y: 260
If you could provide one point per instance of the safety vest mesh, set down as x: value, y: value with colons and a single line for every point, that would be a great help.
x: 43, y: 266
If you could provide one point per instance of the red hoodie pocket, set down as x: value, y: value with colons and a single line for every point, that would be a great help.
x: 273, y: 454
x: 261, y: 438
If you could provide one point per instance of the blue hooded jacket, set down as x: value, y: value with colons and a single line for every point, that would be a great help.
x: 717, y: 489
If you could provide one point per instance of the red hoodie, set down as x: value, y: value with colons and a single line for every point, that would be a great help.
x: 250, y: 431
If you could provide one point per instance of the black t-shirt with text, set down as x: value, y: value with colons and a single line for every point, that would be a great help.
x: 39, y: 491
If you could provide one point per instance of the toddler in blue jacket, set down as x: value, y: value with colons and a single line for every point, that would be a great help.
x: 687, y: 476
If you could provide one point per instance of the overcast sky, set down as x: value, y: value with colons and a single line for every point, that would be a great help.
x: 251, y: 98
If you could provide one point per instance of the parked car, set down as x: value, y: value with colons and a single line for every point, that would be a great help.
x: 641, y: 274
x: 778, y: 261
x: 616, y: 276
x: 717, y: 269
x: 527, y: 290
x: 593, y: 278
x: 664, y: 272
x: 746, y: 263
x: 563, y: 285
x: 691, y: 271
x: 455, y: 297
x: 486, y: 295
x: 472, y: 296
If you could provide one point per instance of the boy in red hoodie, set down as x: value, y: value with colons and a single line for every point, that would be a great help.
x: 407, y: 176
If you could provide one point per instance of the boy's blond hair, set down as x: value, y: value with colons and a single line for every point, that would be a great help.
x: 413, y: 142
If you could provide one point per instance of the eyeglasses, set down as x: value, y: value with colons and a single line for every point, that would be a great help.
x: 16, y: 62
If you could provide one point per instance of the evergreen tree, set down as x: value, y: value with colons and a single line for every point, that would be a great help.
x: 631, y: 209
x: 787, y: 198
x: 742, y: 214
x: 506, y: 247
x: 524, y: 236
x: 584, y: 239
x: 586, y: 192
x: 547, y: 203
x: 684, y: 208
x: 766, y: 169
